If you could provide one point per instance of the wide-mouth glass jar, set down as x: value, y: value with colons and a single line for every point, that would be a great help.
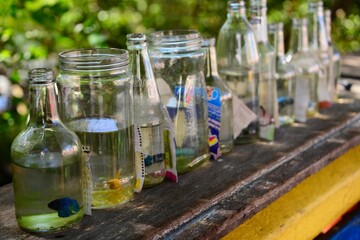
x: 96, y: 102
x: 178, y: 63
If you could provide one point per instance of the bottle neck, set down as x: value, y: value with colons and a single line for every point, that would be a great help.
x: 211, y: 62
x: 140, y: 67
x: 328, y: 24
x: 303, y: 40
x: 279, y: 43
x: 233, y: 13
x: 318, y: 38
x: 43, y: 104
x: 259, y: 23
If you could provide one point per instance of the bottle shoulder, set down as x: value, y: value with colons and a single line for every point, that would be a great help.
x: 48, y: 139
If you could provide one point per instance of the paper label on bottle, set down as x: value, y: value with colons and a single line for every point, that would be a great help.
x: 243, y: 116
x: 267, y: 125
x: 323, y: 90
x: 214, y: 121
x: 139, y: 160
x: 302, y: 98
x: 170, y: 146
x: 87, y: 185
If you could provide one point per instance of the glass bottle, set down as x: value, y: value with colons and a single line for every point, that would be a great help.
x: 308, y: 69
x: 268, y: 113
x: 178, y: 62
x: 318, y: 41
x: 336, y: 57
x: 46, y: 163
x: 96, y: 102
x: 237, y: 56
x: 147, y: 111
x: 285, y: 76
x: 213, y: 81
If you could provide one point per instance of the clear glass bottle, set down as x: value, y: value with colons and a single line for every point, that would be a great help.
x: 336, y: 57
x: 212, y: 79
x: 308, y: 69
x: 96, y: 102
x: 237, y: 56
x: 178, y: 63
x: 46, y: 163
x: 318, y: 42
x: 268, y: 113
x: 147, y: 111
x: 285, y: 76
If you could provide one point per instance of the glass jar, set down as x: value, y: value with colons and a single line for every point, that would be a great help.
x: 220, y: 107
x: 268, y: 113
x: 238, y: 62
x: 308, y: 70
x: 46, y: 164
x: 96, y: 102
x: 148, y: 117
x: 318, y: 43
x: 285, y: 76
x: 178, y: 64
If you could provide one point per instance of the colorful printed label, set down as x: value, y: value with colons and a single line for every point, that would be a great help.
x: 214, y: 120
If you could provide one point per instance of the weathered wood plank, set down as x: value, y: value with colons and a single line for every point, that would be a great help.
x: 214, y: 199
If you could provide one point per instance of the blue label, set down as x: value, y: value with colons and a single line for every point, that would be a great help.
x: 214, y: 120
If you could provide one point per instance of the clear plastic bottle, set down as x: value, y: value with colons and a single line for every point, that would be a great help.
x: 268, y: 113
x: 336, y: 57
x: 309, y: 71
x: 213, y: 79
x: 318, y: 42
x: 147, y: 111
x: 96, y: 102
x: 238, y: 58
x: 46, y: 164
x: 178, y: 63
x: 285, y: 76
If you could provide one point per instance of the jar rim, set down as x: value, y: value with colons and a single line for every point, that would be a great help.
x: 94, y: 59
x: 41, y: 75
x: 181, y: 40
x: 175, y: 35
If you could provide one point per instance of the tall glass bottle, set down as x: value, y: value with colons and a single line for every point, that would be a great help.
x: 213, y: 80
x: 336, y: 57
x: 318, y: 42
x: 309, y: 71
x: 178, y: 64
x: 285, y: 76
x: 268, y: 114
x: 147, y: 111
x: 96, y: 102
x: 46, y: 163
x: 237, y: 56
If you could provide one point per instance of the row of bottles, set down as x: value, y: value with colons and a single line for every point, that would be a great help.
x: 131, y: 118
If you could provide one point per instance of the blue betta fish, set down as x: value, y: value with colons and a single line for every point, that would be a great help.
x: 65, y: 206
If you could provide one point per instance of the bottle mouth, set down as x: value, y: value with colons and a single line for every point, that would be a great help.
x: 175, y: 40
x: 94, y: 59
x: 41, y: 75
x: 136, y: 41
x: 208, y: 42
x: 235, y: 5
x: 275, y: 27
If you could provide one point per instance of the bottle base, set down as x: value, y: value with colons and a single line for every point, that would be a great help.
x: 245, y: 139
x: 185, y: 164
x: 111, y: 197
x: 226, y: 147
x: 49, y: 222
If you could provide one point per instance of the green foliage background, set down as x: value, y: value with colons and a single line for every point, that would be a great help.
x: 32, y: 32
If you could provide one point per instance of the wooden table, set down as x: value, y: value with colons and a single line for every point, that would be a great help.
x: 211, y: 201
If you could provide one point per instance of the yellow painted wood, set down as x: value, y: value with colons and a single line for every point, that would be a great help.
x: 308, y: 208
